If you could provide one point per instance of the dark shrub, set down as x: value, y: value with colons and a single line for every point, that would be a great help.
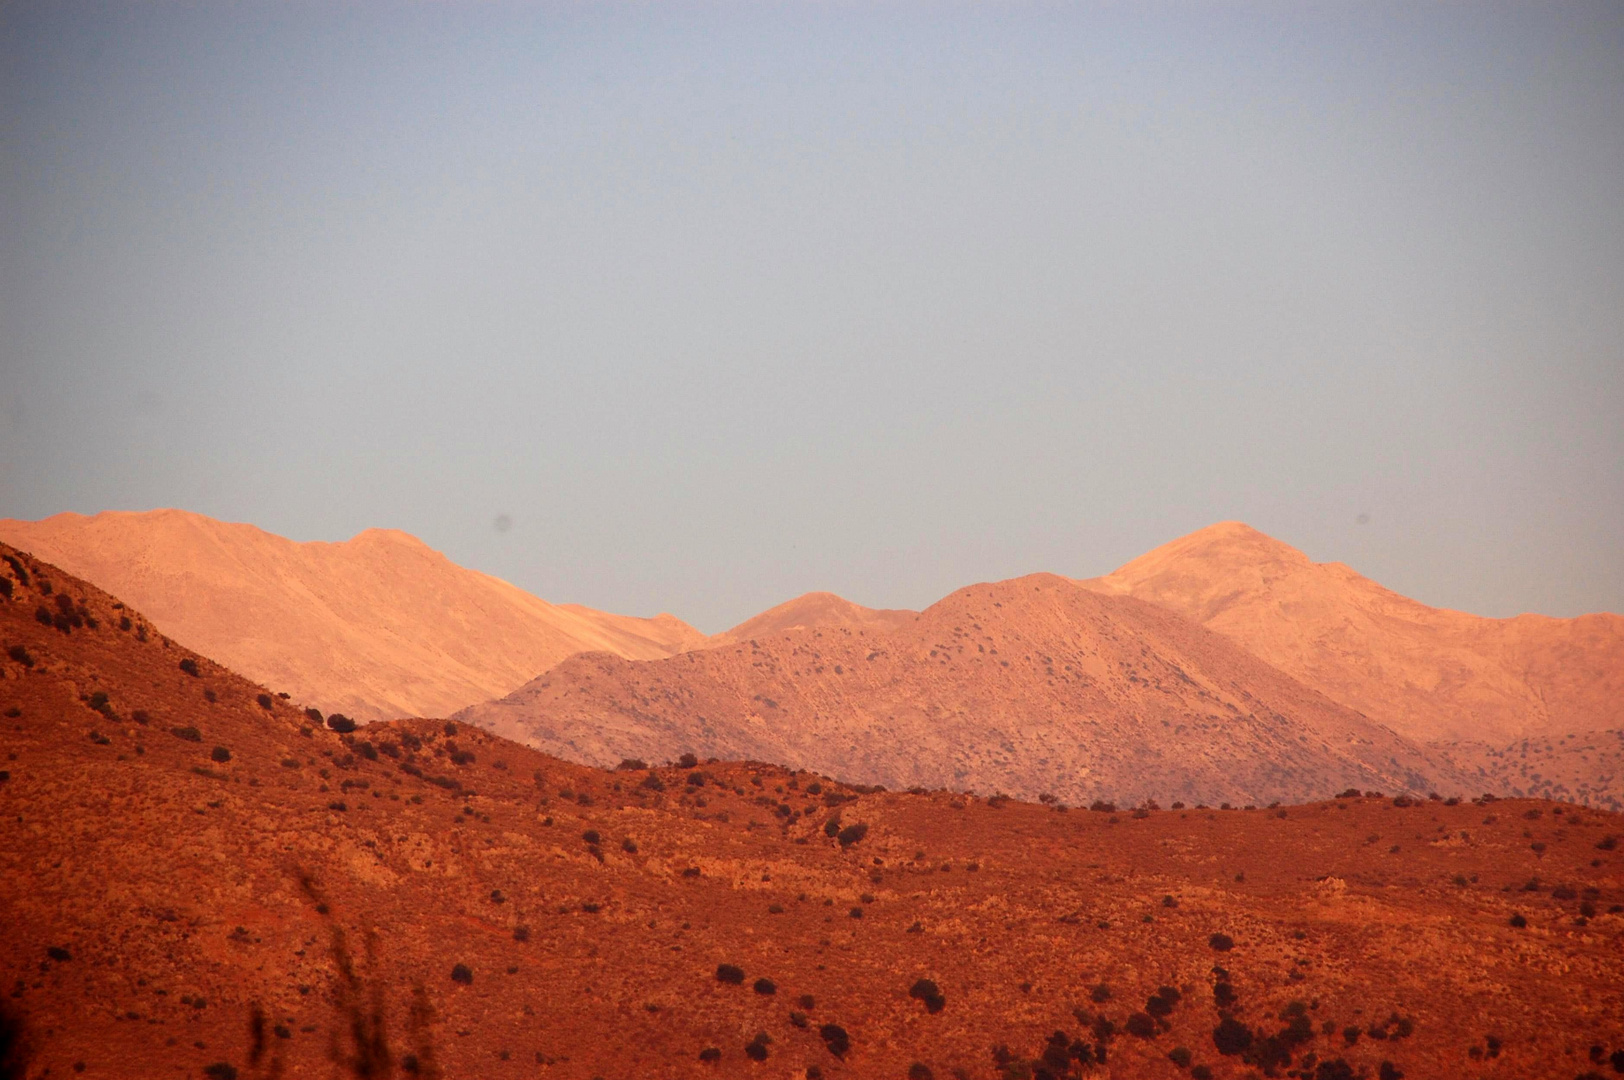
x: 20, y: 654
x: 5, y: 587
x: 1102, y: 806
x: 688, y: 761
x: 1223, y: 994
x: 1100, y: 993
x: 1231, y: 1037
x: 1335, y: 1069
x: 696, y: 779
x: 521, y: 933
x: 341, y: 723
x: 1221, y: 942
x: 920, y: 1071
x: 766, y: 986
x: 1518, y: 921
x: 190, y: 734
x: 1162, y: 1001
x: 1180, y: 1056
x: 629, y: 846
x: 730, y: 973
x: 1200, y: 1072
x: 831, y: 828
x: 58, y: 953
x: 710, y: 1054
x: 591, y: 836
x: 927, y: 991
x: 338, y: 805
x: 1142, y: 1025
x: 220, y: 1070
x: 1607, y: 843
x: 189, y: 666
x: 807, y: 1001
x: 835, y: 1038
x: 631, y: 764
x: 367, y: 750
x: 220, y: 754
x: 851, y: 834
x: 1389, y: 1071
x: 756, y: 1048
x: 314, y: 716
x: 461, y: 974
x: 43, y: 614
x: 265, y: 701
x: 450, y: 728
x: 653, y: 782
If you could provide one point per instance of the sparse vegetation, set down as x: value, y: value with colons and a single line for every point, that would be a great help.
x: 189, y: 666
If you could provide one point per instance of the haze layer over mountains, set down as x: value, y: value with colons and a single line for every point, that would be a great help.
x: 1224, y: 666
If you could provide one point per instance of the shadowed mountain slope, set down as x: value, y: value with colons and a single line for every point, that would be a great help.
x: 1428, y: 673
x: 1028, y: 686
x: 375, y: 627
x: 195, y: 882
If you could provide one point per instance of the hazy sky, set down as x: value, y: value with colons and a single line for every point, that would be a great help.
x: 714, y: 304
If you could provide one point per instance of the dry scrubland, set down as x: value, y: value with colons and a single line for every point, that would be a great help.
x: 200, y: 881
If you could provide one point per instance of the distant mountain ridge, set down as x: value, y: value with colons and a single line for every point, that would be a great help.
x: 1030, y: 686
x: 378, y: 626
x: 1429, y: 673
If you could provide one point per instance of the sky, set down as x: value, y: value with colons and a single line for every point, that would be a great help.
x: 694, y: 307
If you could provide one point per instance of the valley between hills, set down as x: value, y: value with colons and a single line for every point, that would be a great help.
x: 203, y: 878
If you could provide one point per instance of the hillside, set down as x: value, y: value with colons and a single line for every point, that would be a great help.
x: 200, y: 883
x: 1430, y: 674
x: 376, y: 627
x: 1030, y: 686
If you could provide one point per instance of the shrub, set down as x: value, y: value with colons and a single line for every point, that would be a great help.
x: 220, y: 754
x: 1142, y: 1025
x: 631, y: 764
x: 1334, y: 1069
x: 314, y: 716
x: 5, y: 587
x: 756, y: 1048
x: 851, y: 834
x: 461, y: 973
x: 1387, y: 1071
x: 1100, y: 994
x: 766, y: 986
x: 1607, y: 843
x: 730, y: 973
x: 1162, y: 1001
x: 1180, y: 1056
x: 521, y: 933
x: 43, y: 614
x: 591, y: 836
x: 927, y: 991
x: 920, y: 1071
x: 220, y: 1070
x: 1102, y: 806
x: 190, y: 734
x: 265, y: 701
x: 688, y: 761
x: 653, y: 782
x: 1518, y: 921
x: 629, y: 846
x: 835, y: 1038
x: 450, y: 728
x: 20, y: 654
x: 341, y: 723
x: 189, y: 666
x: 338, y: 805
x: 1223, y: 994
x: 1231, y: 1037
x: 367, y: 750
x: 710, y: 1054
x: 1221, y: 942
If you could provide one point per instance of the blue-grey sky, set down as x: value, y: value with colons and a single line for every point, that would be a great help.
x: 719, y: 303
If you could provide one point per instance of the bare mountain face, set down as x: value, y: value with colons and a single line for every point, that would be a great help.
x: 1030, y: 686
x: 1430, y: 674
x: 376, y: 627
x: 815, y: 610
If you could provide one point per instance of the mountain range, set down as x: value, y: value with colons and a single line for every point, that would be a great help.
x: 1224, y: 666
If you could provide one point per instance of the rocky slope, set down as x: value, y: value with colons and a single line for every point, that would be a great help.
x: 1430, y: 674
x: 1030, y: 686
x: 375, y: 627
x: 196, y: 882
